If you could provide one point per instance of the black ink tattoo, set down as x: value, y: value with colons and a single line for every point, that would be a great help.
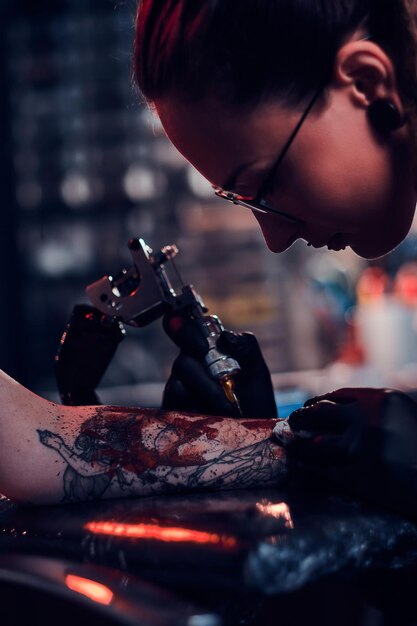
x: 118, y: 453
x: 245, y: 467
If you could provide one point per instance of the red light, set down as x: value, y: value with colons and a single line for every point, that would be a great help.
x: 90, y: 588
x: 279, y: 510
x: 160, y: 533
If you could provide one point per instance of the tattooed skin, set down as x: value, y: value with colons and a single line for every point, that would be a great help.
x: 118, y: 452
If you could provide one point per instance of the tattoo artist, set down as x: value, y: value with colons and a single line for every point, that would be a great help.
x: 305, y: 113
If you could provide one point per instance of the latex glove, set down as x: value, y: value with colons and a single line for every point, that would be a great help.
x: 85, y: 351
x: 363, y: 440
x: 190, y: 386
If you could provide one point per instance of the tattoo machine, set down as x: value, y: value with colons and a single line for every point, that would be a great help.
x: 143, y: 293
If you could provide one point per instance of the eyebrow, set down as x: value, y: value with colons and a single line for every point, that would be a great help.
x: 231, y: 180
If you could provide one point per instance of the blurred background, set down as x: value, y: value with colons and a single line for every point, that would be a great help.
x: 85, y: 166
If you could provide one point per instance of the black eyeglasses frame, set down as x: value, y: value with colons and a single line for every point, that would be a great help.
x: 257, y: 202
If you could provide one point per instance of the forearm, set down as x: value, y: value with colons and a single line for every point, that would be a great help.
x: 131, y: 452
x: 83, y: 467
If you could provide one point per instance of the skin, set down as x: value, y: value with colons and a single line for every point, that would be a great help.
x: 340, y: 177
x: 52, y: 453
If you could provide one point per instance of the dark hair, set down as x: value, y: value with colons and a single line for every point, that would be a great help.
x: 246, y: 51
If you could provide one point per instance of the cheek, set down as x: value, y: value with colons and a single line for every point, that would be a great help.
x: 344, y: 183
x: 360, y: 192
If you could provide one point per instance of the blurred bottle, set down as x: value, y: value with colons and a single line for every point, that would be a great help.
x: 386, y: 316
x: 405, y: 285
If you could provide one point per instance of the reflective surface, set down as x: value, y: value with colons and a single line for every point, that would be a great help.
x: 234, y: 557
x: 273, y: 541
x: 84, y: 592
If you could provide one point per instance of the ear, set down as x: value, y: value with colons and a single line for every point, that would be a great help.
x: 368, y: 72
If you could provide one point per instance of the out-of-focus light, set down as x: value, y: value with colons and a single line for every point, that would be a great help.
x: 405, y: 284
x: 164, y: 152
x: 208, y: 619
x: 54, y: 259
x: 75, y: 190
x: 372, y: 285
x: 141, y: 183
x: 216, y: 215
x: 141, y: 221
x: 29, y: 194
x: 60, y: 252
x: 90, y: 588
x: 279, y: 510
x: 198, y: 184
x: 80, y: 157
x: 413, y: 228
x: 149, y: 119
x: 160, y: 533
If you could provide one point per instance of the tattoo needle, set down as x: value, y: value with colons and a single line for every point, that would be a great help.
x: 228, y: 386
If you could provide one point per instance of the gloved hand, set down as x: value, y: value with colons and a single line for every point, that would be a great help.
x: 85, y: 351
x: 363, y: 440
x: 191, y: 388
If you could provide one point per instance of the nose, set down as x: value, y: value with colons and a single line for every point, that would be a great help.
x: 279, y: 234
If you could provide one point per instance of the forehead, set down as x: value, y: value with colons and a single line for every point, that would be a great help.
x: 218, y: 141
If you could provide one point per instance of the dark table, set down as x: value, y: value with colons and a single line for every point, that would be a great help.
x: 209, y: 558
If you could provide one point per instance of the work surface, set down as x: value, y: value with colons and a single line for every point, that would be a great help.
x: 235, y: 542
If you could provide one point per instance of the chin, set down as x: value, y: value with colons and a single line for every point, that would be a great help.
x: 378, y: 244
x: 376, y: 250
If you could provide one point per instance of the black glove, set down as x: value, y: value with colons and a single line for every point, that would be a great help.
x: 363, y: 440
x: 86, y: 349
x: 191, y: 388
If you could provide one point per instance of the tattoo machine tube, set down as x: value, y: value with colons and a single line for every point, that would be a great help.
x: 221, y: 366
x: 143, y: 293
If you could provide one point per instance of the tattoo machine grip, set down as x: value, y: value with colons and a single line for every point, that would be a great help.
x: 85, y: 351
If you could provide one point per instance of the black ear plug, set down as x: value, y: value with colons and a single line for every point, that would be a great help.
x: 384, y: 116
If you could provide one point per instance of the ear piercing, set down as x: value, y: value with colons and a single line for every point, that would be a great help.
x: 384, y: 116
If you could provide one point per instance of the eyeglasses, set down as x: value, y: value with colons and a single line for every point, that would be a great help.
x: 258, y: 203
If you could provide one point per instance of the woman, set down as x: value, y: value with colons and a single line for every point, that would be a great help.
x: 304, y: 112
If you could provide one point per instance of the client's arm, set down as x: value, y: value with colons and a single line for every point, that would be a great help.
x: 54, y: 453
